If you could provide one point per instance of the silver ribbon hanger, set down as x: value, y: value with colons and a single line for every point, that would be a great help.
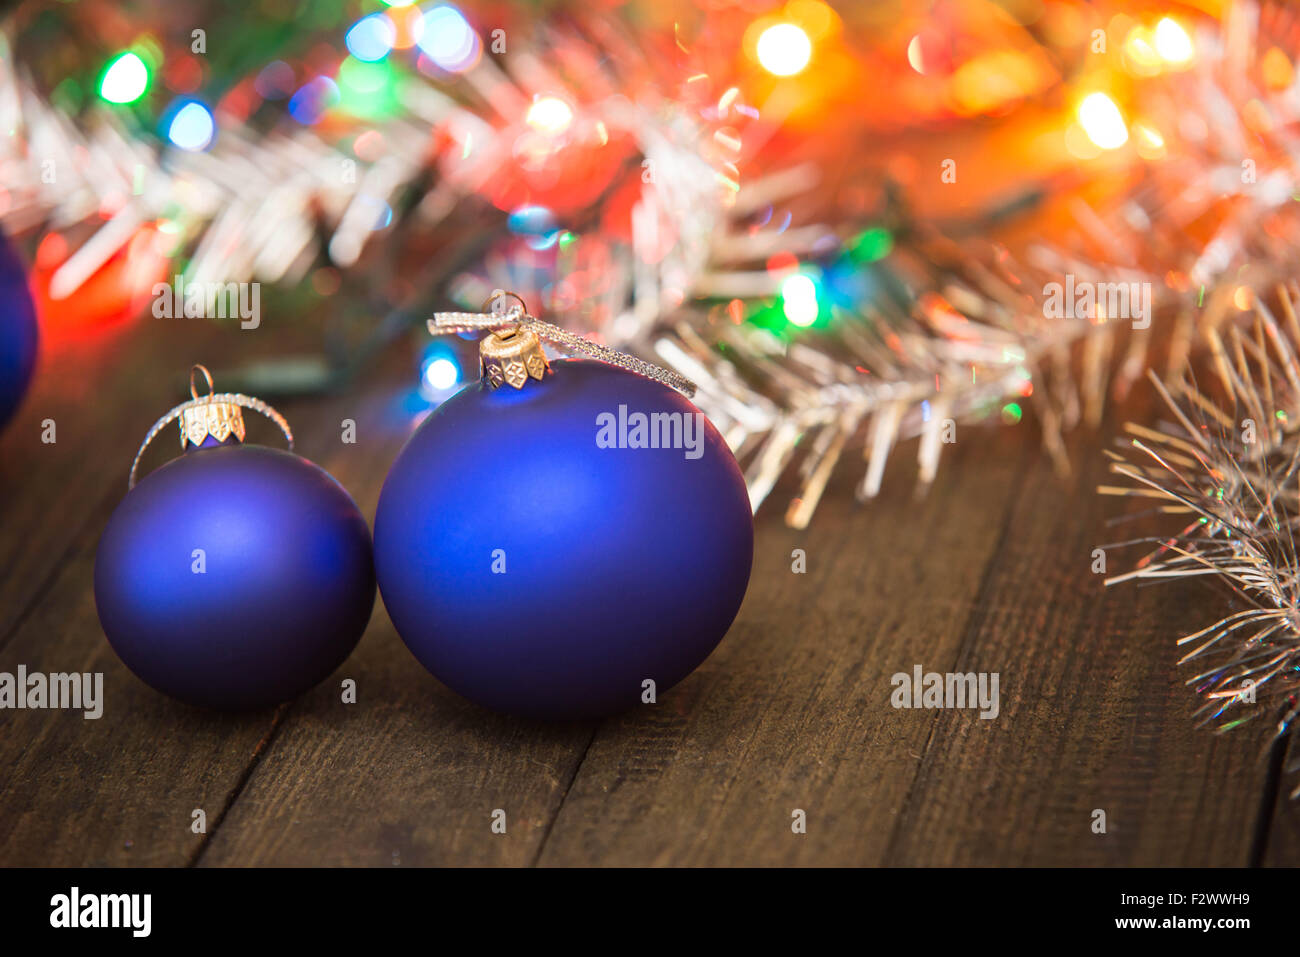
x: 445, y: 323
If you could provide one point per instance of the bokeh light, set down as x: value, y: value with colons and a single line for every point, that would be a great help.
x: 313, y: 99
x: 1148, y: 141
x: 914, y: 57
x: 799, y: 299
x: 1102, y: 121
x: 192, y: 126
x: 371, y: 38
x: 1140, y: 52
x: 361, y: 76
x: 441, y: 374
x: 448, y: 40
x: 125, y: 79
x: 1172, y: 42
x: 408, y: 26
x: 276, y: 80
x: 532, y: 221
x: 1276, y: 69
x: 549, y: 115
x: 784, y: 49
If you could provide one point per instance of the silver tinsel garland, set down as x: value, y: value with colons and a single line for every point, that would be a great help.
x: 966, y: 339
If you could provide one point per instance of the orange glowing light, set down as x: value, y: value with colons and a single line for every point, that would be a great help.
x: 784, y: 49
x: 549, y: 115
x: 1102, y: 121
x: 1148, y: 141
x: 816, y: 18
x: 408, y: 25
x: 1140, y: 52
x: 51, y: 251
x: 989, y: 81
x: 1172, y: 42
x: 1277, y: 69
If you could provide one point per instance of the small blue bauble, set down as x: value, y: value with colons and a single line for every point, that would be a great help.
x: 18, y: 335
x: 538, y: 573
x: 286, y: 587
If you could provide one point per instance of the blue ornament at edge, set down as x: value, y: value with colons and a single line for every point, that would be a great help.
x: 235, y: 577
x: 538, y: 573
x: 18, y: 331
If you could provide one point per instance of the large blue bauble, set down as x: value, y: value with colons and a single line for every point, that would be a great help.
x: 537, y: 573
x: 287, y: 588
x: 18, y: 336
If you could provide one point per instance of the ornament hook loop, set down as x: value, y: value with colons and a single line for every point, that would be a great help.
x: 199, y: 367
x: 215, y: 414
x: 493, y: 304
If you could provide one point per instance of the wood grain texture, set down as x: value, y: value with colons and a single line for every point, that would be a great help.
x: 1095, y: 713
x: 1281, y: 846
x: 792, y: 712
x: 989, y: 572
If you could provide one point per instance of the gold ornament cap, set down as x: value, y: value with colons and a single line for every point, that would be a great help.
x: 511, y: 356
x: 212, y: 415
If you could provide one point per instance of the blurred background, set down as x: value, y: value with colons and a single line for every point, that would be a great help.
x: 838, y: 219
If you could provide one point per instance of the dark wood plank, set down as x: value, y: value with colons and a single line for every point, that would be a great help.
x: 409, y: 775
x: 1283, y: 840
x: 792, y: 710
x: 1095, y: 713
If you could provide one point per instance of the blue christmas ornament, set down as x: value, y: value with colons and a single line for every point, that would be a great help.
x: 18, y: 336
x: 562, y: 541
x: 235, y: 576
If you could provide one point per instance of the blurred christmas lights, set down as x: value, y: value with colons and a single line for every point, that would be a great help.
x: 1102, y: 121
x: 549, y: 115
x: 799, y: 299
x: 448, y: 40
x: 439, y: 373
x: 125, y: 79
x: 275, y: 81
x: 191, y: 126
x: 1172, y: 42
x: 544, y: 132
x: 313, y: 98
x: 784, y: 49
x: 371, y: 38
x: 1152, y: 50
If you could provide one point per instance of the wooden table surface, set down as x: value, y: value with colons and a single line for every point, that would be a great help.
x: 989, y: 572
